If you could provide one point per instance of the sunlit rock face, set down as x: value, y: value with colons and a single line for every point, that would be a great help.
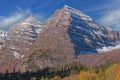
x: 69, y: 33
x: 21, y: 35
x: 18, y: 39
x: 85, y: 36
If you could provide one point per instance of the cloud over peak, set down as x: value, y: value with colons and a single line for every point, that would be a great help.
x: 5, y: 22
x: 112, y: 18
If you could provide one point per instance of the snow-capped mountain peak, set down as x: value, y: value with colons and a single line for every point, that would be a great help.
x: 85, y: 34
x: 22, y: 34
x: 76, y: 12
x: 30, y: 19
x: 66, y: 35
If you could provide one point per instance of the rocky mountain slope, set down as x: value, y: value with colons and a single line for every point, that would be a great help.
x: 68, y: 34
x: 19, y: 38
x: 21, y: 35
x: 3, y: 35
x: 84, y: 33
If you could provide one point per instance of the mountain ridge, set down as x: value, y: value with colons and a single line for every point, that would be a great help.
x: 68, y: 35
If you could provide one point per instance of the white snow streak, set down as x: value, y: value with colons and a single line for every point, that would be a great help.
x: 109, y: 48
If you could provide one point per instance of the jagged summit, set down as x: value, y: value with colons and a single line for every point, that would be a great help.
x: 67, y: 7
x: 74, y: 11
x: 66, y: 36
x: 30, y: 18
x: 21, y: 36
x: 84, y: 33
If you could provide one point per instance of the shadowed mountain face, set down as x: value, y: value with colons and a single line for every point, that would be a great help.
x: 86, y: 35
x: 69, y: 33
x: 66, y: 36
x: 70, y: 28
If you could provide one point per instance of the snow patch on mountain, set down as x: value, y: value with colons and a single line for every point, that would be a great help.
x: 17, y: 55
x: 77, y: 13
x: 3, y: 35
x: 87, y: 35
x: 108, y: 48
x: 21, y: 35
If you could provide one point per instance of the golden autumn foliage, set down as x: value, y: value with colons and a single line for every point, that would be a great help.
x: 113, y: 73
x: 86, y: 76
x: 44, y: 79
x: 56, y: 78
x: 71, y: 77
x: 100, y: 75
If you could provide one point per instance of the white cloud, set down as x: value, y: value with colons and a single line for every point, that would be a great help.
x: 5, y: 22
x: 43, y: 5
x: 111, y: 18
x: 109, y: 13
x: 106, y: 6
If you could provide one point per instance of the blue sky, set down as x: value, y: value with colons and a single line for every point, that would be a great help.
x: 105, y: 12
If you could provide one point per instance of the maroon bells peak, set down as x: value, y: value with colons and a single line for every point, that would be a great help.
x: 68, y: 35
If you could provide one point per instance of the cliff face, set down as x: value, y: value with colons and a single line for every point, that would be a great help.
x: 68, y: 34
x: 19, y: 38
x: 83, y: 33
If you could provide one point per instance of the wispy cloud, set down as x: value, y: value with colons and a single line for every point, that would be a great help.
x: 106, y: 6
x: 110, y: 13
x: 111, y: 18
x: 5, y: 22
x: 43, y: 5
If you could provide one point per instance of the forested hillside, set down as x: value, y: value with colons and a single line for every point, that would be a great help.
x: 72, y: 71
